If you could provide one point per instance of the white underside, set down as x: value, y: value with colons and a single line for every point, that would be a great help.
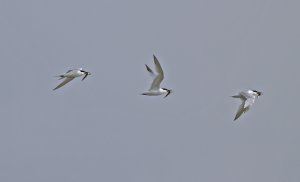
x: 154, y: 92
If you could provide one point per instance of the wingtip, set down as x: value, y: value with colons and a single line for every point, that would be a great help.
x: 148, y: 69
x: 236, y: 117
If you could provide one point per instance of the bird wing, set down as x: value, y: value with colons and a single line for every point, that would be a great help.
x: 152, y: 74
x: 240, y: 111
x: 159, y: 77
x: 240, y: 96
x: 66, y: 80
x: 244, y: 107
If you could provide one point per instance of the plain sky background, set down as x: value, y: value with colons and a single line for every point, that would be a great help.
x: 102, y: 129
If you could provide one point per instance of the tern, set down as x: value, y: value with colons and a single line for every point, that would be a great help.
x: 248, y: 99
x: 70, y: 75
x: 158, y: 77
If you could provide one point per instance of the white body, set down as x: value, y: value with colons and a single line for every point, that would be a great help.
x: 155, y: 92
x: 248, y: 98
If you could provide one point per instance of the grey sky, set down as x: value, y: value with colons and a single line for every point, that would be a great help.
x: 103, y: 130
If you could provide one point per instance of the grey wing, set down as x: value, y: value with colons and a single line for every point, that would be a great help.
x: 158, y: 67
x: 156, y: 83
x: 240, y: 96
x: 152, y: 74
x: 66, y: 80
x: 160, y: 75
x: 68, y: 71
x: 240, y: 111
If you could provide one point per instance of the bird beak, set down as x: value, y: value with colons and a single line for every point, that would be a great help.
x: 86, y: 74
x: 169, y: 92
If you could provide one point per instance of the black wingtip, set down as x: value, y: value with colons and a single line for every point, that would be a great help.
x: 148, y: 68
x: 235, y: 118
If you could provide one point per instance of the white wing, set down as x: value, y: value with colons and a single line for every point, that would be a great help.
x: 240, y: 96
x: 66, y: 80
x: 159, y: 77
x: 246, y: 95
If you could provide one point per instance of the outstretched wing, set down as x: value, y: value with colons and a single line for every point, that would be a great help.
x: 244, y: 107
x: 240, y: 111
x: 159, y: 77
x: 66, y: 80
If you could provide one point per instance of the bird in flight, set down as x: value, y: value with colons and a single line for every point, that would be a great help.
x: 158, y: 77
x: 70, y: 75
x: 248, y: 99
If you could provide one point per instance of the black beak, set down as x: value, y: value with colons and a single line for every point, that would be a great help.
x: 169, y: 92
x: 86, y: 74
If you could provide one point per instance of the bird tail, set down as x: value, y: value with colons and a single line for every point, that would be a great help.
x: 236, y: 96
x: 60, y: 77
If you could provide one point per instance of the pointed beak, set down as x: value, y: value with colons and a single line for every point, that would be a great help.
x: 168, y: 93
x: 85, y: 75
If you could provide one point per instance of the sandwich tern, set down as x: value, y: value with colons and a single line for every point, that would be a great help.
x: 248, y: 99
x: 158, y: 77
x: 70, y: 75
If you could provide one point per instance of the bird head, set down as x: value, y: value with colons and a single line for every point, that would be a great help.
x: 257, y: 93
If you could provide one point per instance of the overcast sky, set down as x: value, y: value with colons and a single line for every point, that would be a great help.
x: 102, y: 129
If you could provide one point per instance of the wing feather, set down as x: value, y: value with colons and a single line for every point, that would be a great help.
x: 158, y: 67
x: 240, y: 111
x: 159, y: 77
x: 66, y: 80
